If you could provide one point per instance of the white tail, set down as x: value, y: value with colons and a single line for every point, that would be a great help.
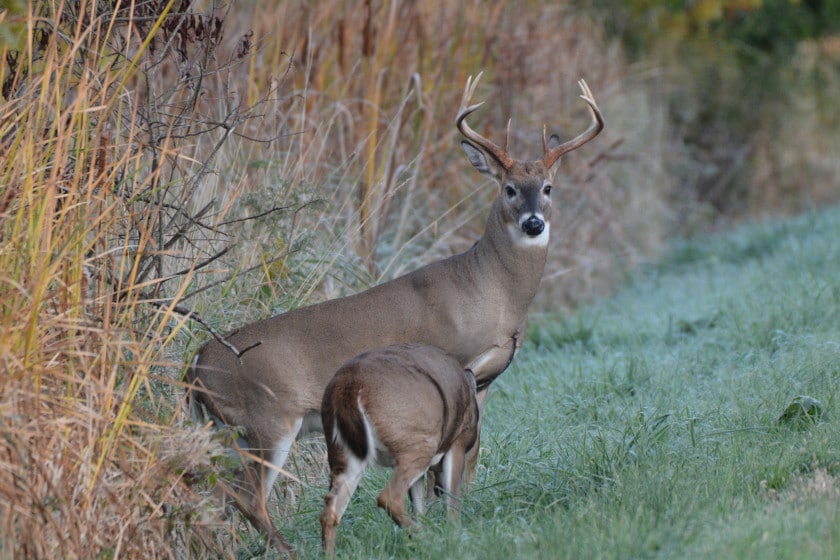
x: 407, y: 406
x: 473, y: 306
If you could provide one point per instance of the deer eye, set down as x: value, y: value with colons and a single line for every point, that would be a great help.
x: 547, y: 190
x: 510, y: 191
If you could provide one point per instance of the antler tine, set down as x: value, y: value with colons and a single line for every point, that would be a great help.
x: 550, y: 157
x: 501, y: 155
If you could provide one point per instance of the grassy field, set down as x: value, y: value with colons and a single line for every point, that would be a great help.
x: 647, y: 425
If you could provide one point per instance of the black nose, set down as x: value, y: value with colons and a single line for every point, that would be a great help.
x: 533, y: 226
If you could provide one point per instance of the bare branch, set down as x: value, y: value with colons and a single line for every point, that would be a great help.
x: 190, y: 314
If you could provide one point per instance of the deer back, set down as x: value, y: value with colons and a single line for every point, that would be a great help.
x: 416, y: 398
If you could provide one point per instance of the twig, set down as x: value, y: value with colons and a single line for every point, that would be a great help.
x: 190, y: 314
x: 607, y: 153
x: 200, y: 265
x: 246, y: 271
x: 254, y: 217
x: 184, y: 228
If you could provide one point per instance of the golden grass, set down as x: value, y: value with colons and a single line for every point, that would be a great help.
x: 91, y: 460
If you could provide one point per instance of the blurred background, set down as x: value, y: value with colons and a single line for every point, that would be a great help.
x: 170, y: 169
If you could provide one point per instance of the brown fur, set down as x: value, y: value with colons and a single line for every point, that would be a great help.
x: 416, y: 403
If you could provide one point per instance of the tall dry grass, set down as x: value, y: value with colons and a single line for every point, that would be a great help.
x: 271, y: 156
x: 370, y: 99
x: 94, y: 461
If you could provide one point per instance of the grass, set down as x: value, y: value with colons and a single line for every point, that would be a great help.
x: 647, y: 425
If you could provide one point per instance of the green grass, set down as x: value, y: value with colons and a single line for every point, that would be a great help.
x: 647, y: 424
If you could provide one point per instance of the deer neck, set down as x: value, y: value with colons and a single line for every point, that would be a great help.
x: 504, y: 256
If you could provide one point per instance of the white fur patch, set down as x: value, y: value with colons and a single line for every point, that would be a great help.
x: 377, y: 451
x: 281, y: 452
x: 417, y: 494
x: 347, y: 483
x: 355, y: 467
x: 522, y: 239
x: 447, y: 471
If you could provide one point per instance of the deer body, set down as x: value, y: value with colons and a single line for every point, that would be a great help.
x: 407, y: 406
x: 472, y: 306
x: 472, y: 314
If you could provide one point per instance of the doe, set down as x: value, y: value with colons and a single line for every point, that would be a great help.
x: 406, y: 406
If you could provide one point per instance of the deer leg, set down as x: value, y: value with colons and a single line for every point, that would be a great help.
x: 472, y: 454
x: 280, y: 450
x: 252, y: 504
x: 257, y: 513
x: 416, y: 492
x: 254, y: 481
x: 392, y: 498
x: 346, y: 472
x: 433, y: 485
x: 453, y: 473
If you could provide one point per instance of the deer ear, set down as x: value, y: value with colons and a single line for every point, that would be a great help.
x: 479, y: 160
x: 553, y: 142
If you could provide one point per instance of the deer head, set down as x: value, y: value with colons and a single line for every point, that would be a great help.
x: 525, y: 185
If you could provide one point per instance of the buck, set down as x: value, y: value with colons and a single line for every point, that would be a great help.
x: 407, y: 406
x: 472, y: 305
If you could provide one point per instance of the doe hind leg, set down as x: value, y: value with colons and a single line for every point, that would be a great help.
x: 344, y: 479
x: 392, y: 498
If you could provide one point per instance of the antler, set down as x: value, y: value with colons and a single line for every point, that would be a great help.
x: 501, y: 155
x: 551, y: 156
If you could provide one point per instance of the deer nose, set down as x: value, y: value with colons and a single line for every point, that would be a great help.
x: 533, y: 226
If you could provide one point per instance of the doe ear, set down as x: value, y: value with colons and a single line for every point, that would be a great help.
x: 480, y: 160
